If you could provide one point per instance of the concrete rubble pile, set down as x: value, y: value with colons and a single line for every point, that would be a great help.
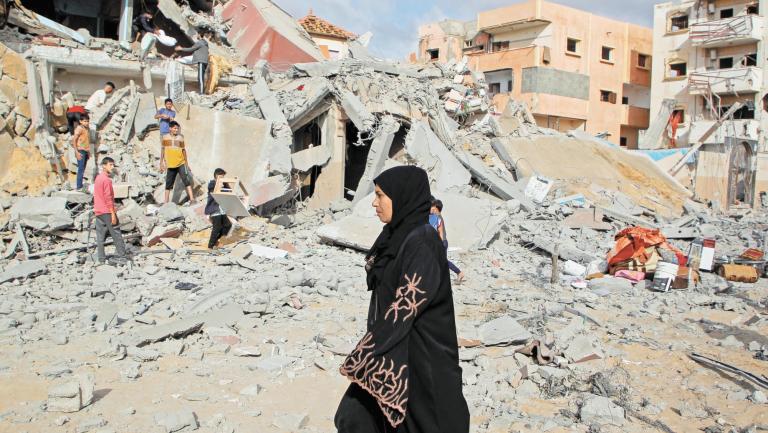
x: 181, y: 338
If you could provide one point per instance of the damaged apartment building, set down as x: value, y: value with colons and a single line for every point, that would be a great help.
x: 709, y: 96
x: 575, y: 70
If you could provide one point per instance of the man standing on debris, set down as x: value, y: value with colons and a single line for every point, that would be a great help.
x: 405, y: 371
x: 173, y: 158
x: 219, y: 219
x: 164, y: 117
x: 199, y: 53
x: 99, y: 97
x: 105, y: 212
x: 81, y: 142
x: 438, y: 223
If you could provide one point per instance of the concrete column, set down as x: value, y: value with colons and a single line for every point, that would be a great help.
x: 329, y: 186
x: 126, y: 19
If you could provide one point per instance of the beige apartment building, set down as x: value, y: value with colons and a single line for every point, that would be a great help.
x: 574, y: 69
x: 710, y: 55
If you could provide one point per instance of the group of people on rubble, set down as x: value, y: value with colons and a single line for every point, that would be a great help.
x: 147, y: 34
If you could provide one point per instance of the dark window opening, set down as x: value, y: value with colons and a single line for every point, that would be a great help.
x: 765, y: 102
x: 726, y: 13
x: 678, y: 23
x: 747, y: 111
x: 500, y: 46
x: 572, y: 46
x: 750, y: 60
x: 643, y: 60
x: 679, y: 114
x: 725, y: 63
x: 623, y: 141
x: 509, y: 86
x: 608, y: 96
x: 607, y: 54
x: 433, y: 54
x: 678, y: 69
x: 752, y: 10
x: 358, y: 146
x: 494, y: 88
x: 624, y: 100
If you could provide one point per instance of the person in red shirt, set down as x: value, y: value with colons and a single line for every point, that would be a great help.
x: 106, y: 214
x: 73, y: 117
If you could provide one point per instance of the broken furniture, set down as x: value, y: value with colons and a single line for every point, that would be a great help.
x: 232, y: 197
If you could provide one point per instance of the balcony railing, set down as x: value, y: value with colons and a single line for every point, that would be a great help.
x: 726, y: 81
x: 722, y: 32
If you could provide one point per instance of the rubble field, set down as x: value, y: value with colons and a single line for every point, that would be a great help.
x: 566, y: 321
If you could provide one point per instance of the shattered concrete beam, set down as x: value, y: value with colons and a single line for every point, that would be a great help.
x: 145, y: 116
x: 171, y: 10
x: 498, y: 185
x: 268, y: 104
x: 102, y: 113
x: 316, y: 69
x: 377, y: 156
x: 502, y: 153
x: 357, y: 112
x: 312, y: 107
x: 130, y: 116
x: 627, y: 219
x: 565, y: 251
x: 308, y: 158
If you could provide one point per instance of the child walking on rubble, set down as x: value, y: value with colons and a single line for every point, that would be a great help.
x: 437, y: 222
x: 219, y: 218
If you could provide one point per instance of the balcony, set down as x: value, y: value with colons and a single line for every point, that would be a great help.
x: 635, y: 117
x: 729, y: 31
x: 726, y: 81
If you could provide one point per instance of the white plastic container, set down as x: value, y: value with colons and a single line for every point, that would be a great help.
x: 664, y: 276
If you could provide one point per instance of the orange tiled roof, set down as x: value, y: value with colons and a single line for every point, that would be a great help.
x: 315, y: 25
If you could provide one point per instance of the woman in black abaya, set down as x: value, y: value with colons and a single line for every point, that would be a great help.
x: 405, y: 371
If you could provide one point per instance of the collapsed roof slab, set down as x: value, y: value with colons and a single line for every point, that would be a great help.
x: 472, y: 223
x: 445, y: 171
x: 584, y: 163
x: 501, y: 185
x: 219, y: 139
x: 260, y: 30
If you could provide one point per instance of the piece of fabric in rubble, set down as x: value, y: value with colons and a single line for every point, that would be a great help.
x: 538, y: 351
x: 405, y: 370
x: 636, y: 249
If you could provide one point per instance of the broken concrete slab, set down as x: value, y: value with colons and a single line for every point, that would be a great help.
x: 42, y: 213
x: 472, y: 223
x: 145, y: 115
x: 504, y: 330
x: 357, y: 112
x: 670, y: 232
x: 601, y: 411
x: 268, y: 104
x: 566, y: 250
x: 505, y: 188
x: 130, y: 117
x: 180, y: 421
x: 74, y: 197
x: 23, y: 270
x: 445, y: 171
x: 377, y: 156
x: 582, y: 349
x: 186, y: 326
x: 317, y: 89
x: 591, y: 218
x: 314, y: 156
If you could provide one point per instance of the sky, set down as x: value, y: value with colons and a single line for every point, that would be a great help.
x: 395, y: 23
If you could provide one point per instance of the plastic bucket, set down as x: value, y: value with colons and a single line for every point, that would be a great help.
x: 664, y: 276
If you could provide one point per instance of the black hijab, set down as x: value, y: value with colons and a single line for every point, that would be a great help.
x: 408, y: 188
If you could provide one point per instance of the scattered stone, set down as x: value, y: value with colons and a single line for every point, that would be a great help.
x: 504, y: 330
x: 183, y: 420
x: 291, y: 422
x: 251, y: 391
x: 601, y: 410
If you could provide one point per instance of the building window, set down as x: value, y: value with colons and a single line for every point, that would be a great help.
x: 509, y: 86
x: 750, y: 60
x: 500, y: 46
x: 624, y: 100
x: 468, y: 44
x: 494, y: 88
x: 726, y: 13
x: 623, y: 141
x: 643, y: 61
x: 572, y: 46
x: 607, y: 54
x: 678, y: 22
x: 608, y: 96
x: 752, y: 10
x: 725, y: 62
x: 433, y: 54
x: 678, y: 69
x: 679, y: 114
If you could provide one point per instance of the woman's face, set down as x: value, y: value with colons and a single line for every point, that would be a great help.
x: 383, y: 205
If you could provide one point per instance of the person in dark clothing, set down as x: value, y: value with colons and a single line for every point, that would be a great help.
x: 438, y: 223
x: 73, y: 117
x: 200, y: 54
x: 219, y: 218
x: 405, y: 370
x: 143, y: 24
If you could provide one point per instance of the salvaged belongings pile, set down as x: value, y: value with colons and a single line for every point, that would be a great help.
x: 560, y: 235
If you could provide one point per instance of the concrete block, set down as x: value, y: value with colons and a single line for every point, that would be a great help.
x: 601, y: 411
x: 42, y: 213
x: 183, y: 420
x: 356, y: 111
x: 130, y: 117
x: 581, y: 349
x: 268, y: 104
x: 27, y: 269
x: 145, y: 115
x: 504, y: 330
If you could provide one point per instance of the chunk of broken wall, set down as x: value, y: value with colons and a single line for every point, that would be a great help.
x: 22, y: 166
